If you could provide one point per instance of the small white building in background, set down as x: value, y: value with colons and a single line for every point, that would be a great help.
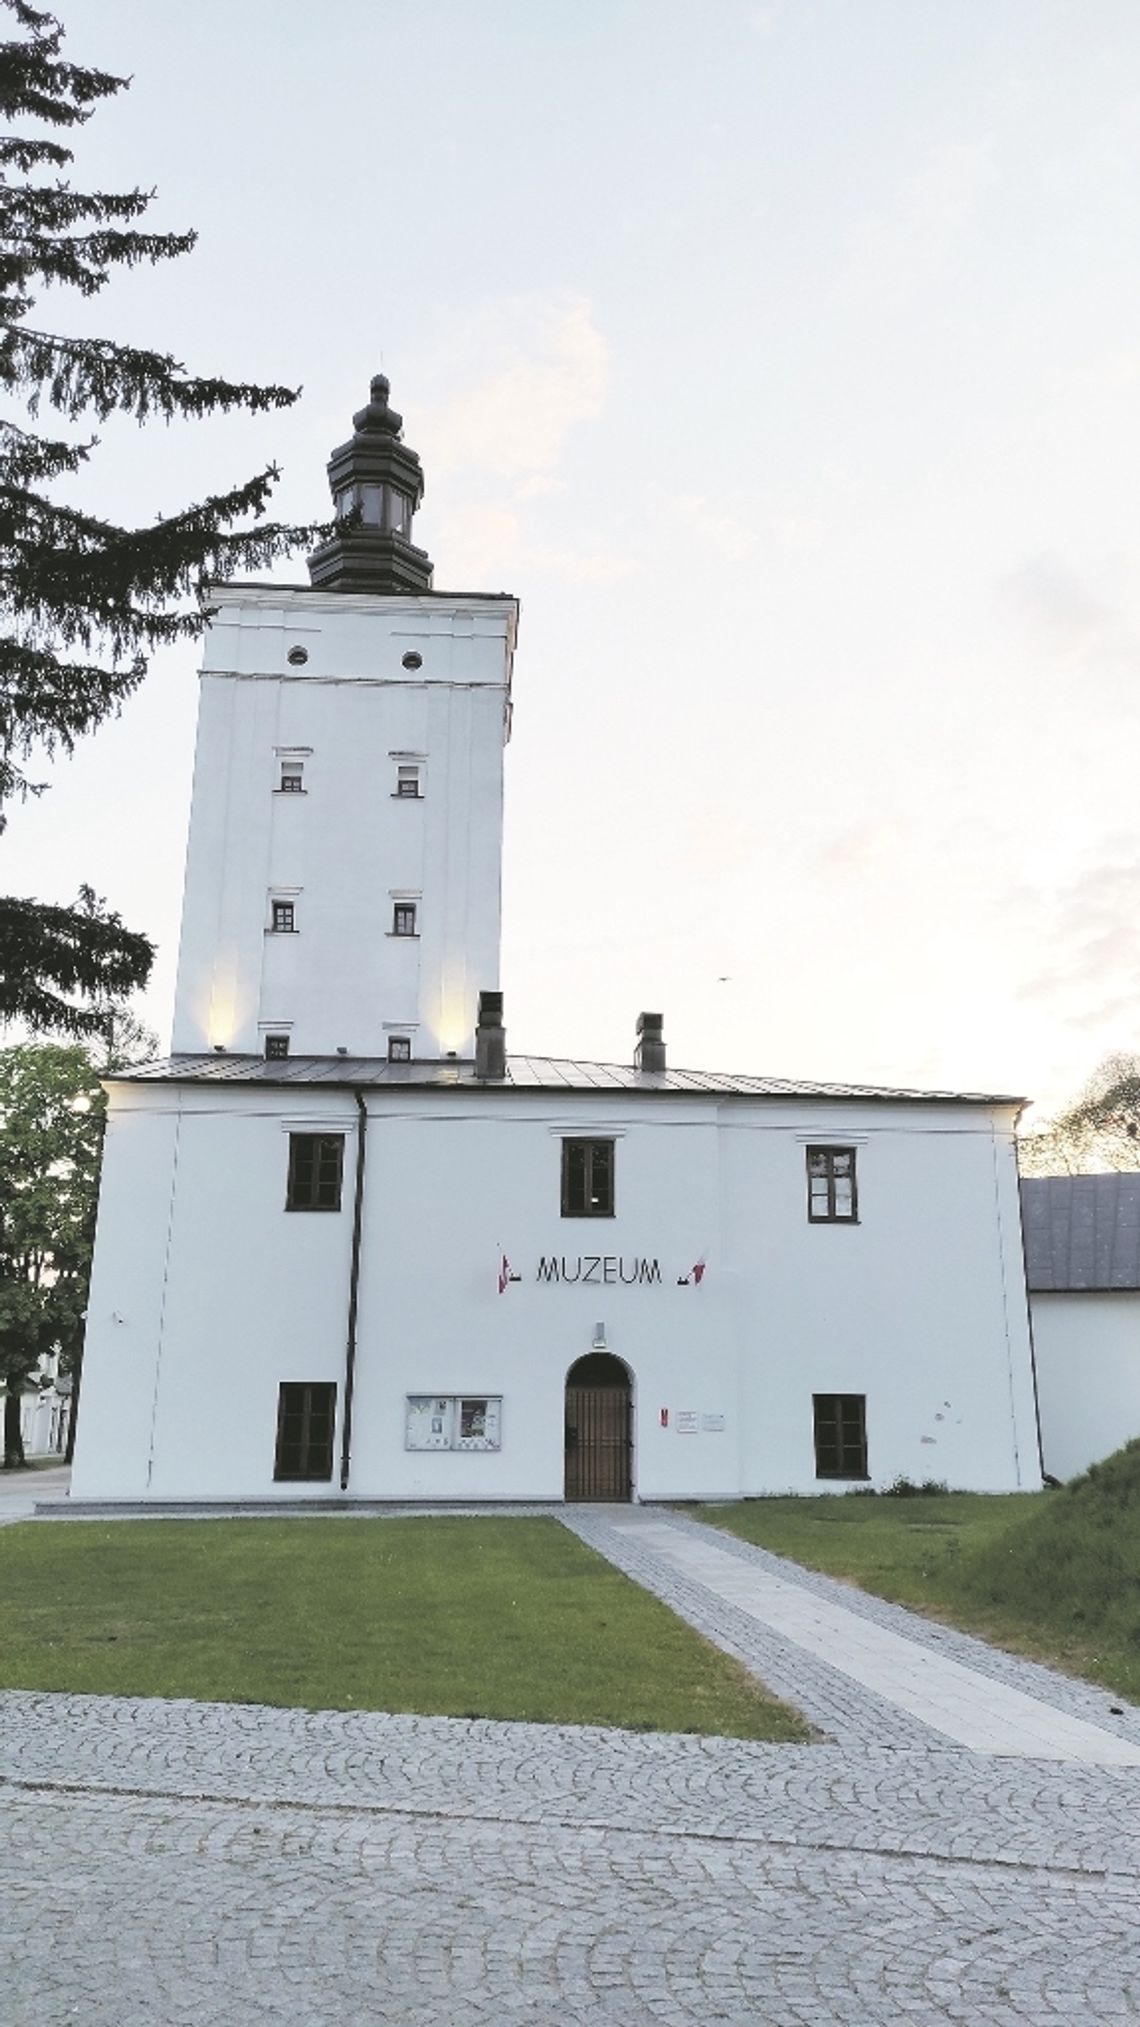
x: 45, y: 1411
x: 1082, y: 1255
x: 347, y: 1246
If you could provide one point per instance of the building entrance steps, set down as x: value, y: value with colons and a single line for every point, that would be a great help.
x: 861, y: 1669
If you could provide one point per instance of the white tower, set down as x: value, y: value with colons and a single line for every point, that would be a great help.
x: 343, y: 867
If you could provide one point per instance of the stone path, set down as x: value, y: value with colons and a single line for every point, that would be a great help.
x: 860, y: 1668
x: 196, y: 1865
x: 21, y: 1490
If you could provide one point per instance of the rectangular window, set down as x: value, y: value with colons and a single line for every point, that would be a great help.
x: 305, y: 1417
x: 408, y: 782
x: 284, y: 918
x: 316, y: 1165
x: 292, y: 777
x: 404, y: 918
x: 831, y: 1186
x: 840, y: 1435
x: 276, y: 1046
x: 587, y: 1178
x: 399, y: 1049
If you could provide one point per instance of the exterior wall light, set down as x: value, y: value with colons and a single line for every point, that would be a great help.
x: 599, y: 1337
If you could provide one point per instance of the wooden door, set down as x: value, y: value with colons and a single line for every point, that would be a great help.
x: 598, y: 1442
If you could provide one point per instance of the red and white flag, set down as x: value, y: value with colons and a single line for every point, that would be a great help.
x: 505, y: 1275
x: 697, y: 1271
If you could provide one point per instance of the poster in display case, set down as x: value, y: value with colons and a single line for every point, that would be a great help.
x: 453, y: 1421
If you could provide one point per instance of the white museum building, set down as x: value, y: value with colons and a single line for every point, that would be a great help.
x: 345, y: 1241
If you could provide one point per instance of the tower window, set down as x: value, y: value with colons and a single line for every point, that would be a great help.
x: 305, y: 1417
x: 412, y: 660
x: 404, y: 918
x: 297, y: 657
x: 587, y: 1178
x: 840, y: 1435
x: 316, y: 1165
x: 283, y: 920
x: 832, y: 1198
x: 408, y: 783
x: 292, y: 780
x: 276, y: 1047
x: 399, y: 1049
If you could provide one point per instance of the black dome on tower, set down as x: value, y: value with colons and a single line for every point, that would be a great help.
x: 377, y: 483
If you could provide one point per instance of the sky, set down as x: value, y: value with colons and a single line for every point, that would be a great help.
x: 783, y: 358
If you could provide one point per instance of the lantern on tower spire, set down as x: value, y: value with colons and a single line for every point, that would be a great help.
x: 377, y: 483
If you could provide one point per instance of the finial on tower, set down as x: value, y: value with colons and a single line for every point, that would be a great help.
x: 377, y: 483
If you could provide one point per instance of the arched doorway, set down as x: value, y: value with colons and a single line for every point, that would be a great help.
x: 599, y: 1428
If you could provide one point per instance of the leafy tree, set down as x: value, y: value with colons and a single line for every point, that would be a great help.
x: 83, y: 601
x: 52, y: 1114
x: 1099, y: 1131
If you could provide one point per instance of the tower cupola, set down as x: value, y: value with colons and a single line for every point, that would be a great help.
x: 377, y: 483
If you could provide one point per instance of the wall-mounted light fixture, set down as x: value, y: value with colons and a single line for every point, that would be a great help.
x: 599, y: 1337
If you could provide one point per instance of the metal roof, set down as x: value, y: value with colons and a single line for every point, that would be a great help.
x: 524, y: 1073
x: 1081, y: 1231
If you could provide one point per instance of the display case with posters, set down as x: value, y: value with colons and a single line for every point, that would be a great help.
x: 453, y: 1422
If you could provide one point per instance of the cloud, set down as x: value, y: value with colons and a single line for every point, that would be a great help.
x: 1049, y: 598
x: 859, y: 848
x: 527, y: 373
x: 484, y: 543
x: 1091, y: 930
x: 909, y: 240
x: 541, y: 366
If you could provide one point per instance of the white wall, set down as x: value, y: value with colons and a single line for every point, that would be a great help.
x: 1087, y: 1345
x: 345, y: 846
x: 921, y: 1306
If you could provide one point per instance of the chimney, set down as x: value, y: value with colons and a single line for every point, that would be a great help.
x: 490, y: 1038
x: 650, y: 1051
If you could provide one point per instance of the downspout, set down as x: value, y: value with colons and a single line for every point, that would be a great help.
x: 1046, y: 1479
x: 353, y: 1290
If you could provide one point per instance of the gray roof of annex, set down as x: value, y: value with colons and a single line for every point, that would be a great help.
x: 523, y: 1073
x: 1082, y: 1232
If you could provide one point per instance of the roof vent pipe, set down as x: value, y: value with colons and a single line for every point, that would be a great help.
x: 650, y: 1051
x: 490, y: 1038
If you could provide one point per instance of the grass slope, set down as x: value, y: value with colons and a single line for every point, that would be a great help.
x: 471, y: 1618
x: 1055, y: 1575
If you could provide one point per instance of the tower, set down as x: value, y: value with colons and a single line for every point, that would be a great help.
x: 344, y: 859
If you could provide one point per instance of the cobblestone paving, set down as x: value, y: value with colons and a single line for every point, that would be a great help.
x: 212, y: 1865
x: 178, y: 1862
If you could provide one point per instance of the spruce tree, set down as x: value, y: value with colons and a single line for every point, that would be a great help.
x: 83, y: 602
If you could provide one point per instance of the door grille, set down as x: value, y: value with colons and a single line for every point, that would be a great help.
x: 597, y: 1443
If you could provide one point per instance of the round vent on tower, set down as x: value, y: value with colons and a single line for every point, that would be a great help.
x: 297, y: 657
x: 412, y: 660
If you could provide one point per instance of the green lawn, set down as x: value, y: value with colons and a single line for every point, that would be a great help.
x: 1055, y: 1575
x: 468, y: 1618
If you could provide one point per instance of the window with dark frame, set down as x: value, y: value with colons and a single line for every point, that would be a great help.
x: 399, y: 1049
x: 832, y: 1196
x: 587, y: 1178
x: 292, y: 780
x: 408, y: 783
x: 283, y: 919
x: 306, y: 1415
x: 840, y: 1435
x: 316, y: 1168
x: 276, y: 1046
x: 404, y: 918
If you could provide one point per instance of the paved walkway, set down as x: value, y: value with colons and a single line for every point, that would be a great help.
x: 20, y: 1490
x: 190, y: 1865
x: 861, y: 1669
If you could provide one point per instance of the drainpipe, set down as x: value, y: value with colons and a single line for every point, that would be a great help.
x: 353, y: 1290
x: 1046, y: 1476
